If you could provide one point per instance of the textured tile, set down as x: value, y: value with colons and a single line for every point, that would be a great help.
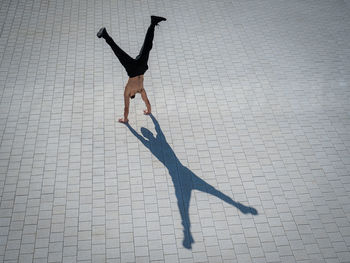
x: 252, y: 99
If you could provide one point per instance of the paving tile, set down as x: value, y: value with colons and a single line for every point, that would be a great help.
x: 253, y: 101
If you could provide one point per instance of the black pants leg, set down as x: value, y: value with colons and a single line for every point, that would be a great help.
x: 138, y: 66
x: 127, y: 61
x: 147, y: 45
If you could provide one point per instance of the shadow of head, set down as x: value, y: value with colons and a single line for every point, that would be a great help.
x: 147, y: 133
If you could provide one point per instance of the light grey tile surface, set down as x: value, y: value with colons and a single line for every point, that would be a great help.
x: 252, y: 98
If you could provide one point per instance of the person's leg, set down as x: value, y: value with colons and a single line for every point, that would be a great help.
x: 148, y: 42
x: 123, y: 57
x: 147, y: 45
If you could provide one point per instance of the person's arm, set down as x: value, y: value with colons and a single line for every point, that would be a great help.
x: 126, y: 108
x: 145, y: 99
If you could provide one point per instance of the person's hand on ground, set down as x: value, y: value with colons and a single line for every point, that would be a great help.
x: 146, y: 112
x: 122, y: 120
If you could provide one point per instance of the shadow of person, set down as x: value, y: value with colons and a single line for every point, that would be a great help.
x: 184, y: 180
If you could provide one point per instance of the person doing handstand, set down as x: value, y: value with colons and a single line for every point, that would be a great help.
x: 135, y: 68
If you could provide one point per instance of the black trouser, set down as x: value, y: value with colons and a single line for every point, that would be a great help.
x: 137, y: 66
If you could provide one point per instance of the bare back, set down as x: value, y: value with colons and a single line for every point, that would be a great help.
x: 134, y: 85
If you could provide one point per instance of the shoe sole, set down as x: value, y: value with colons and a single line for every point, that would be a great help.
x: 100, y: 32
x: 161, y: 18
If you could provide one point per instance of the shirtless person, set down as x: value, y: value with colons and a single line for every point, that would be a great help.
x: 134, y: 67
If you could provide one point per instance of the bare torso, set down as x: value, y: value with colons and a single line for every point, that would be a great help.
x: 134, y: 85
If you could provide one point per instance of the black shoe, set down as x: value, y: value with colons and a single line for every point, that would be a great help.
x: 101, y: 32
x: 156, y: 19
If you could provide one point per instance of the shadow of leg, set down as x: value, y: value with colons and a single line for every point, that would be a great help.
x: 185, y: 218
x: 183, y: 188
x: 201, y: 185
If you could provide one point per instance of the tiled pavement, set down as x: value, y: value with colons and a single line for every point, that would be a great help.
x: 253, y: 97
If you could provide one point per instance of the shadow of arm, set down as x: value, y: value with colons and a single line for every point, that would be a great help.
x: 138, y: 136
x: 156, y: 126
